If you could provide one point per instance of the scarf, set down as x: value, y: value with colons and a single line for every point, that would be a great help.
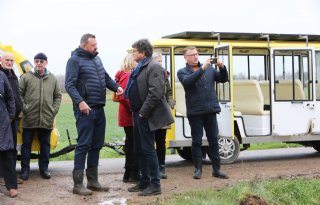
x: 133, y: 77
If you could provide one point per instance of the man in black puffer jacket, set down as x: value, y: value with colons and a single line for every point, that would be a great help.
x: 202, y: 105
x: 86, y: 82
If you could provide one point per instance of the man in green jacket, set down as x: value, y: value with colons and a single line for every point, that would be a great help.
x: 41, y: 96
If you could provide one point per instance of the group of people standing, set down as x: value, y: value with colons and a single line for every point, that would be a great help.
x: 144, y: 113
x: 36, y: 97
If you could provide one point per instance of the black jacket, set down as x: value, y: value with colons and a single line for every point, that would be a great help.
x: 86, y: 79
x: 199, y: 89
x: 13, y: 80
x: 7, y: 112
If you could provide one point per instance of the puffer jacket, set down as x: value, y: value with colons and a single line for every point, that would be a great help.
x: 7, y: 112
x: 41, y: 97
x: 199, y: 89
x: 86, y: 79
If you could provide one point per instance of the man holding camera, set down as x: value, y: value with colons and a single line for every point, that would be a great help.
x: 202, y: 105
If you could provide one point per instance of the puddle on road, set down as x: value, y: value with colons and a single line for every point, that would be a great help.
x: 121, y: 201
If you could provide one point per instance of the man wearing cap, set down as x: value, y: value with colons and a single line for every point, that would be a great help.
x: 41, y: 97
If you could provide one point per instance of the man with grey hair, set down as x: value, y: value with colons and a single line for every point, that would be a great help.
x: 86, y: 83
x: 202, y: 104
x: 6, y: 66
x: 145, y: 90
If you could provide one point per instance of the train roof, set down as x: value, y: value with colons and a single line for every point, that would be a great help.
x: 243, y: 36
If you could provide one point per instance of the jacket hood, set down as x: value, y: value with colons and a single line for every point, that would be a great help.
x: 81, y: 52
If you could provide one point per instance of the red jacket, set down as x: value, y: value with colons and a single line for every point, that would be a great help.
x: 124, y: 113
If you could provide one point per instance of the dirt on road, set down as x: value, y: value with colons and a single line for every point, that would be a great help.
x: 58, y: 190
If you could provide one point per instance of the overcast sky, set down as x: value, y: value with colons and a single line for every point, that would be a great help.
x: 56, y: 26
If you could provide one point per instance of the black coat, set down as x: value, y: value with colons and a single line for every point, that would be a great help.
x: 199, y: 89
x: 13, y: 80
x: 7, y: 112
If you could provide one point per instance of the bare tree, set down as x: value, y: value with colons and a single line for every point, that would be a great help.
x: 61, y: 79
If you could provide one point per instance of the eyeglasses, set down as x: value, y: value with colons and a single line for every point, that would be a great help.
x: 39, y: 61
x: 193, y: 55
x: 9, y: 60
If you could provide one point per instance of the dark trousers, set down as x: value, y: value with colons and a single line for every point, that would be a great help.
x: 209, y: 123
x: 14, y: 127
x: 44, y: 139
x: 160, y: 137
x: 144, y: 147
x: 131, y: 160
x: 8, y: 169
x: 91, y: 132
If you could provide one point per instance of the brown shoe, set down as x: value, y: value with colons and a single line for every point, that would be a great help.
x: 12, y: 193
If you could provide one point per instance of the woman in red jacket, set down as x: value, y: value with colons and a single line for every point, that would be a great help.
x: 131, y: 173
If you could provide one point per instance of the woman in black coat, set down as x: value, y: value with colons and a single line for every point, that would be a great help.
x: 7, y: 152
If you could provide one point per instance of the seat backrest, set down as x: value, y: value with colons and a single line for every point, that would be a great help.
x: 264, y: 85
x: 248, y: 98
x: 181, y: 109
x: 284, y: 90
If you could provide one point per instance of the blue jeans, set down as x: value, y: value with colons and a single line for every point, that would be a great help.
x: 44, y: 139
x: 145, y: 150
x: 91, y: 132
x: 209, y: 123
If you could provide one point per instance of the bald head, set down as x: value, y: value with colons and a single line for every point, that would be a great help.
x: 7, y: 60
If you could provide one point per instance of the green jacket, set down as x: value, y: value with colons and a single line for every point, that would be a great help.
x: 41, y: 97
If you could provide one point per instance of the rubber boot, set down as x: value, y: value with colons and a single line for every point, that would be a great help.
x: 92, y: 178
x: 78, y: 187
x: 217, y: 171
x: 162, y: 171
x: 198, y: 168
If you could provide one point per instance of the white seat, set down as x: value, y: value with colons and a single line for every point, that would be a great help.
x: 248, y: 98
x: 181, y: 109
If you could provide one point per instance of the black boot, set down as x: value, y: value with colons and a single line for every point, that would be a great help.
x: 198, y: 168
x: 126, y: 175
x: 78, y: 187
x: 162, y: 170
x: 24, y: 174
x: 92, y: 178
x: 217, y: 171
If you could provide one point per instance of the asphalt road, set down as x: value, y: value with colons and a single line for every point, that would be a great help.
x: 115, y: 165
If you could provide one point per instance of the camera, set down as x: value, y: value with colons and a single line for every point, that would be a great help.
x: 213, y: 60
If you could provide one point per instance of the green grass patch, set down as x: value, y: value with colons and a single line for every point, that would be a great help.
x: 274, y: 145
x: 289, y: 191
x: 66, y: 121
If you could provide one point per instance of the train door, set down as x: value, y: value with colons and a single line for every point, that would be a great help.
x: 316, y: 122
x: 292, y: 91
x: 225, y: 118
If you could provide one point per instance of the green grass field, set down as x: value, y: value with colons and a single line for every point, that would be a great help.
x: 280, y: 191
x: 66, y: 121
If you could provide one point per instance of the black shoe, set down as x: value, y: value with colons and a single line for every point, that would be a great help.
x: 220, y: 174
x: 162, y: 172
x: 45, y: 174
x: 137, y: 188
x: 24, y: 175
x: 150, y: 190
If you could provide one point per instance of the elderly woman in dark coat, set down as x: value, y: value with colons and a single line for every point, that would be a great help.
x: 7, y: 152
